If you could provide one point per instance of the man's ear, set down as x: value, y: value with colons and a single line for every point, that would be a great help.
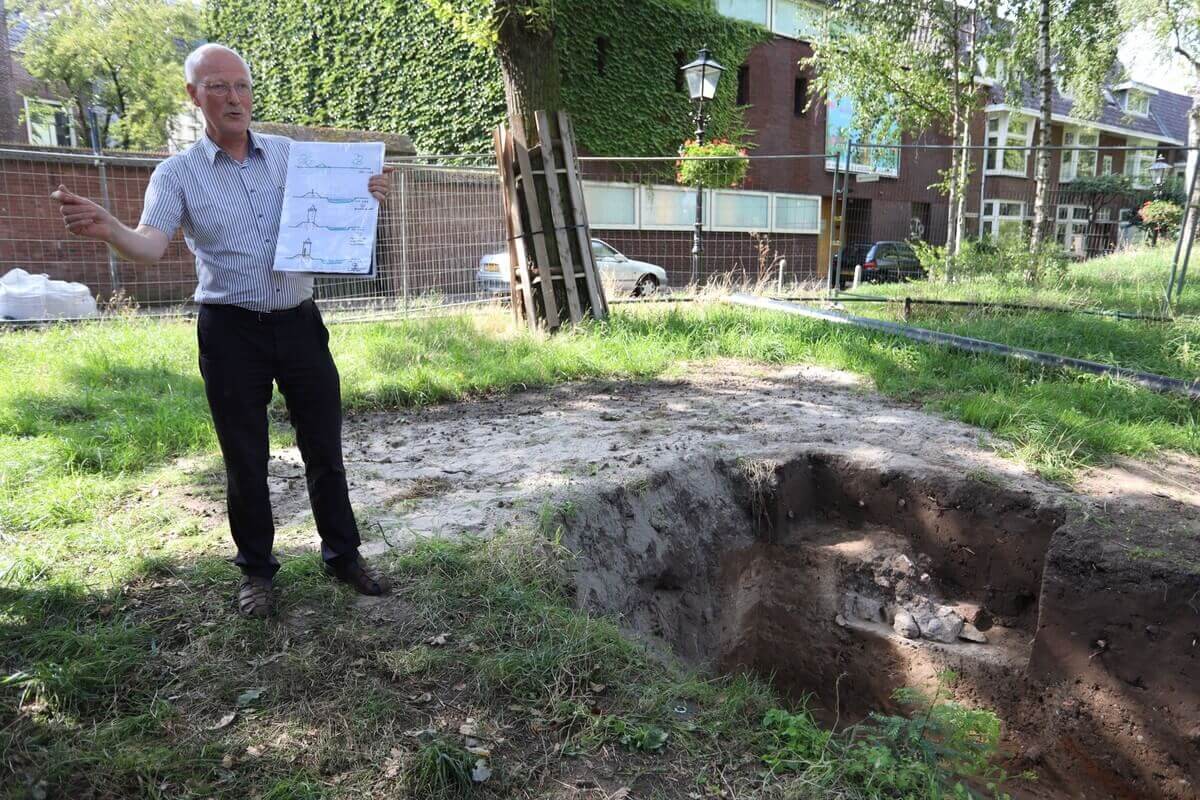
x: 191, y: 90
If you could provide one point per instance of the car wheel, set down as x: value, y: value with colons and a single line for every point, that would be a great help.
x: 646, y: 286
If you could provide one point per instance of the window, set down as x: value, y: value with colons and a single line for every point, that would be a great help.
x: 668, y: 207
x: 680, y: 63
x: 1002, y: 218
x: 1070, y: 227
x: 603, y: 251
x: 49, y: 124
x: 1137, y: 102
x: 1138, y: 162
x: 796, y: 213
x: 1108, y: 166
x: 1078, y: 163
x: 797, y: 19
x: 799, y: 95
x: 748, y: 10
x: 840, y: 131
x: 611, y: 205
x: 743, y: 85
x: 627, y: 206
x: 1005, y: 131
x: 740, y: 211
x: 991, y: 71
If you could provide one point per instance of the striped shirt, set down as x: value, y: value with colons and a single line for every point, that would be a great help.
x: 230, y: 213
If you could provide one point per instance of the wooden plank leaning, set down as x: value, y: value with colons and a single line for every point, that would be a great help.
x: 533, y: 207
x: 517, y: 249
x: 582, y: 229
x: 550, y: 172
x: 510, y: 243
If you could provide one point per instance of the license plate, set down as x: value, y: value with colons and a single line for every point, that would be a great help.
x: 491, y: 266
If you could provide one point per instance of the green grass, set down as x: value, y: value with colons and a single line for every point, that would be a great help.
x: 1133, y: 281
x: 119, y: 651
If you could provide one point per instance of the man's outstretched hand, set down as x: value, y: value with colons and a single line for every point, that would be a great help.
x: 83, y: 217
x: 380, y: 185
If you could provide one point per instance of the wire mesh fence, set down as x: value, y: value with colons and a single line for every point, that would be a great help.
x: 784, y: 222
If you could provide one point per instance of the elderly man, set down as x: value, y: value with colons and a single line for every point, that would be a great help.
x: 255, y: 325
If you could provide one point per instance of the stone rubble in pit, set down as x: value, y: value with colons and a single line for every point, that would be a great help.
x: 909, y: 604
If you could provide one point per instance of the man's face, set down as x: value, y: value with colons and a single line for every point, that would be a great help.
x: 222, y: 91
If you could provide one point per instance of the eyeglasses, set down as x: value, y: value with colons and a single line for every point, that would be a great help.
x: 243, y: 88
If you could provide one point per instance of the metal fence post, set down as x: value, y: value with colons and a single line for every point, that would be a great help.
x: 833, y: 206
x: 114, y: 279
x: 1190, y: 213
x: 845, y: 202
x: 404, y: 236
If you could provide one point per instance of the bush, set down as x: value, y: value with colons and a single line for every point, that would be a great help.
x: 1008, y: 257
x: 1161, y: 217
x: 725, y: 164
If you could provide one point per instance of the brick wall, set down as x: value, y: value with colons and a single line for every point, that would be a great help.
x: 32, y: 235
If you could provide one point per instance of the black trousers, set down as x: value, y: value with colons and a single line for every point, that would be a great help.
x: 241, y: 353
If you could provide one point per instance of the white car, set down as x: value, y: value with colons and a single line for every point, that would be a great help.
x: 617, y: 273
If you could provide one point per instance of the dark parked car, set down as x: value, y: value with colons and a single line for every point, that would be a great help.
x: 882, y: 262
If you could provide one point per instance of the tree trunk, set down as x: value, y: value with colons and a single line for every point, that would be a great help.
x: 1041, y: 208
x: 532, y: 83
x: 964, y: 173
x: 529, y: 69
x: 1191, y: 212
x: 10, y: 131
x: 952, y: 197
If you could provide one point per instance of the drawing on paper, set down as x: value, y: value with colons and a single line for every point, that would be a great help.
x: 329, y: 217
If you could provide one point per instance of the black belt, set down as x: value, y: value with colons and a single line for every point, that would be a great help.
x: 281, y: 315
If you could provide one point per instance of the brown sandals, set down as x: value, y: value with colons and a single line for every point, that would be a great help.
x: 256, y: 597
x: 362, y: 576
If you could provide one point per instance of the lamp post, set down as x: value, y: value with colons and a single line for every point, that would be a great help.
x: 1158, y: 173
x: 702, y: 76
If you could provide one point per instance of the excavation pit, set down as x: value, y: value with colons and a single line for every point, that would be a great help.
x: 844, y: 582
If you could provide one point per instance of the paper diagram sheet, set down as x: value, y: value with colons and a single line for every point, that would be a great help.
x: 329, y: 218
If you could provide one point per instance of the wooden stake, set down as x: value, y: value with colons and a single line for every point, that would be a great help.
x: 566, y: 262
x: 583, y: 231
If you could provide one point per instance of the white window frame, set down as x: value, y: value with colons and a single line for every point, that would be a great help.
x: 801, y: 36
x: 70, y: 122
x: 770, y: 9
x: 777, y: 196
x: 637, y: 204
x: 992, y: 221
x: 643, y: 202
x: 1067, y: 226
x: 1131, y: 93
x: 1068, y: 169
x: 1002, y: 144
x: 710, y: 205
x: 1141, y: 179
x: 1108, y: 165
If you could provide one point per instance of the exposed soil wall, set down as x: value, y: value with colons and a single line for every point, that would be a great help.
x: 847, y: 582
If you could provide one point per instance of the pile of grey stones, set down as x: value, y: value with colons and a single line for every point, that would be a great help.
x: 898, y: 591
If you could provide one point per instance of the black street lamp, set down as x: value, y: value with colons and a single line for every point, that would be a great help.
x: 1158, y: 173
x: 702, y: 76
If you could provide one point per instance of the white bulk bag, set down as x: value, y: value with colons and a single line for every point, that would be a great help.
x: 69, y: 300
x: 24, y: 295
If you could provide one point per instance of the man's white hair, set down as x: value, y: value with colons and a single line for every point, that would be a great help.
x: 192, y: 63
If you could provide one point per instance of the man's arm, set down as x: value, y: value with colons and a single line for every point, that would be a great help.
x: 86, y: 219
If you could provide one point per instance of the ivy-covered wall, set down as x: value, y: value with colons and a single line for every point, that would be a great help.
x: 390, y: 65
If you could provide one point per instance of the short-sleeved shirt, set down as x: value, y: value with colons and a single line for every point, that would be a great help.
x: 229, y: 212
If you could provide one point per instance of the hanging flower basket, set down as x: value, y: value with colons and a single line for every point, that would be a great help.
x: 722, y: 164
